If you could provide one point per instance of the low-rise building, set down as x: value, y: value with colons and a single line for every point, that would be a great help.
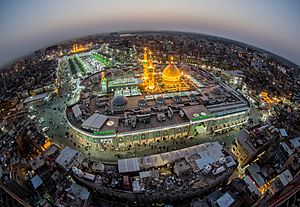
x: 69, y: 158
x: 249, y: 143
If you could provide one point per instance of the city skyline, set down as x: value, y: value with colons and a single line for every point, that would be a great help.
x: 29, y: 26
x: 147, y: 117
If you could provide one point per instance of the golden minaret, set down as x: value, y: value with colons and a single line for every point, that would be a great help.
x: 150, y: 72
x: 145, y: 63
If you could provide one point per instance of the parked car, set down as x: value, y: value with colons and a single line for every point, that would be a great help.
x: 41, y: 120
x: 45, y: 129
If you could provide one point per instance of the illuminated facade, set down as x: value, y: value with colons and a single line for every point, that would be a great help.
x: 113, y: 139
x: 171, y: 74
x: 145, y: 65
x: 245, y: 147
x: 103, y: 82
x: 78, y: 48
x: 159, y: 106
x: 150, y: 73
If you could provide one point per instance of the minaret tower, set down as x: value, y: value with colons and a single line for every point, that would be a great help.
x: 103, y: 82
x: 75, y: 46
x: 145, y: 64
x: 172, y: 60
x: 150, y: 72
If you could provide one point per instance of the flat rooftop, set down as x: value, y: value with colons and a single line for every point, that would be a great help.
x: 196, y: 112
x: 207, y: 98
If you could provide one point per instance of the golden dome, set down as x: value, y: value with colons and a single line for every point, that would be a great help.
x: 171, y: 73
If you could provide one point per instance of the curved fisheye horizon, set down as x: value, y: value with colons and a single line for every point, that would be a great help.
x: 29, y: 26
x: 149, y: 103
x: 146, y: 31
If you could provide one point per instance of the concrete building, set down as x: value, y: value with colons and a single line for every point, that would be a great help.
x: 235, y: 78
x: 152, y: 178
x: 281, y: 181
x: 69, y: 158
x: 249, y: 144
x: 77, y: 112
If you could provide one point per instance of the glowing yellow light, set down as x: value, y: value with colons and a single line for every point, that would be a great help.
x: 47, y: 144
x: 171, y: 74
x: 145, y: 65
x: 172, y: 59
x: 79, y: 48
x: 265, y: 186
x: 103, y: 76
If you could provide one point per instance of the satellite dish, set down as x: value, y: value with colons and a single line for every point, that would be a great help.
x: 110, y: 123
x: 196, y: 115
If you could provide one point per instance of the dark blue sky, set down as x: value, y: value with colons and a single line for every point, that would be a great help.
x: 28, y: 25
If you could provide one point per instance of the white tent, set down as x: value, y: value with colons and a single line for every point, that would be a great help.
x: 94, y: 122
x: 129, y: 165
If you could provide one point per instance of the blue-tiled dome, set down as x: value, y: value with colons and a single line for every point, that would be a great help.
x: 119, y: 101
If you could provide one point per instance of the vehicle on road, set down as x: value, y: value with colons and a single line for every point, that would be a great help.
x: 45, y: 129
x: 32, y: 117
x: 41, y: 120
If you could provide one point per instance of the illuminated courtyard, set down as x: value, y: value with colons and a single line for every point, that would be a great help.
x: 144, y: 109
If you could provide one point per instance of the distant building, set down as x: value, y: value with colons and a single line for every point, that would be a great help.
x: 235, y: 78
x: 258, y: 64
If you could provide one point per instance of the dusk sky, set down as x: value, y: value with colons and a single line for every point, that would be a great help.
x: 30, y: 25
